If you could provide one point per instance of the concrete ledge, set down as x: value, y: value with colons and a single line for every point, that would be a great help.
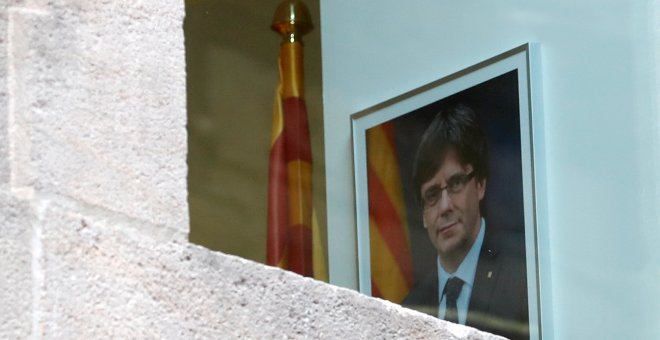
x: 102, y: 280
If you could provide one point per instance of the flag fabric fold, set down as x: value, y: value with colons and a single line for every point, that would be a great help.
x: 291, y: 217
x: 391, y: 261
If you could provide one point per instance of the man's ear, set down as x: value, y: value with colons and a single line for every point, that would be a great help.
x: 481, y: 188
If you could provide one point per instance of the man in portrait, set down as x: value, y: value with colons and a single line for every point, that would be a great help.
x: 479, y: 278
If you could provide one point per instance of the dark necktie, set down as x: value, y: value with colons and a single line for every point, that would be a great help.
x: 451, y: 291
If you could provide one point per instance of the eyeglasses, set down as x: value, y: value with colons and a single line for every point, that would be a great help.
x: 455, y: 184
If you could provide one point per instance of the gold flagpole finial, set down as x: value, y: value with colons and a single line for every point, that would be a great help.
x: 292, y: 20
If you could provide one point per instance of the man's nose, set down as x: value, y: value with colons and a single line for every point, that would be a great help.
x: 444, y: 203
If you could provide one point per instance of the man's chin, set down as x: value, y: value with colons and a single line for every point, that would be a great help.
x: 447, y: 246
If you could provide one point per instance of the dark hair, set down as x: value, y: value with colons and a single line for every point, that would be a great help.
x: 453, y: 128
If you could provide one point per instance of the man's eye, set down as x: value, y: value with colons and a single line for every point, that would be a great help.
x: 431, y: 195
x: 455, y: 183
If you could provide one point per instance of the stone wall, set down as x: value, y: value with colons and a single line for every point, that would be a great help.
x: 93, y: 212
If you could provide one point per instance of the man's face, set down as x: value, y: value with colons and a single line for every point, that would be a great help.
x: 453, y: 220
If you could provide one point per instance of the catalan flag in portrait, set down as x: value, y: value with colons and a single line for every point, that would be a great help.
x: 391, y: 260
x: 291, y: 220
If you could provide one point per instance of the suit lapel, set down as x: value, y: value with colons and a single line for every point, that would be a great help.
x: 425, y: 297
x: 484, y: 283
x: 435, y: 298
x: 433, y: 293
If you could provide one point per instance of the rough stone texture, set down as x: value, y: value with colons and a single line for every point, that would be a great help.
x: 99, y: 105
x: 102, y: 280
x: 4, y: 150
x: 16, y: 268
x: 92, y: 193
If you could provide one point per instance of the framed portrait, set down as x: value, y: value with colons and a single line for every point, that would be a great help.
x: 446, y: 186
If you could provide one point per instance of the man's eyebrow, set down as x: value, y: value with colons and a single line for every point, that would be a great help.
x: 456, y: 175
x: 433, y: 186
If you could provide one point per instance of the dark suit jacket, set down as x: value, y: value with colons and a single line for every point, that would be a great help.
x: 499, y: 296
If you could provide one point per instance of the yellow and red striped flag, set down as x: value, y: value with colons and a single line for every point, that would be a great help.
x: 391, y: 261
x: 291, y: 215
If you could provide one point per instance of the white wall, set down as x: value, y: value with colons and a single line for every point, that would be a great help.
x: 601, y: 79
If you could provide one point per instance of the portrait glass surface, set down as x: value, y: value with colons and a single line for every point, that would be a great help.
x: 475, y: 198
